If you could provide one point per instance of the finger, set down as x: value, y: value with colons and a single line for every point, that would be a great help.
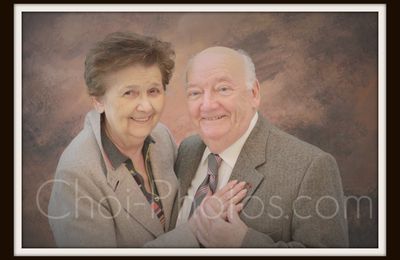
x: 224, y: 215
x: 226, y: 188
x: 233, y: 215
x: 239, y: 194
x: 232, y: 192
x: 239, y: 207
x: 238, y: 197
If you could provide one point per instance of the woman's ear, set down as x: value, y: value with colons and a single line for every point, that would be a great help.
x: 97, y: 104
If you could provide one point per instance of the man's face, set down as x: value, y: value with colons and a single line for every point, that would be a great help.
x: 220, y: 104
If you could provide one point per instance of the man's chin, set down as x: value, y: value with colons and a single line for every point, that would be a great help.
x: 213, y: 137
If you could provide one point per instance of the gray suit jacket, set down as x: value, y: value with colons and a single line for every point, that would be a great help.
x: 94, y: 205
x: 295, y: 197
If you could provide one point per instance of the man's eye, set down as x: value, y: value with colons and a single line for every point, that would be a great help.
x: 193, y: 93
x: 224, y: 90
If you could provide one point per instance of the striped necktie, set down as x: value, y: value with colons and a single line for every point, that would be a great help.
x: 209, y: 183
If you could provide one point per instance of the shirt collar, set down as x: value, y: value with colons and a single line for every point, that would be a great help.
x: 230, y: 154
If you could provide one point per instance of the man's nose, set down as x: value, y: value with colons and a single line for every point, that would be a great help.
x: 209, y: 102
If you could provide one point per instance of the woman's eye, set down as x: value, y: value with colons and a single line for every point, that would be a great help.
x: 130, y: 93
x: 154, y: 91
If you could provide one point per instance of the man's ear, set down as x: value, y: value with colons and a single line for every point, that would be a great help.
x: 97, y: 104
x: 255, y: 94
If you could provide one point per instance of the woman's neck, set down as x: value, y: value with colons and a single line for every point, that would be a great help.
x: 131, y: 149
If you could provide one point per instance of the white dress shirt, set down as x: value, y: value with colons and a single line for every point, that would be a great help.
x: 229, y: 157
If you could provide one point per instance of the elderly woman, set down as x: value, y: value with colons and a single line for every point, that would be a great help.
x: 115, y: 185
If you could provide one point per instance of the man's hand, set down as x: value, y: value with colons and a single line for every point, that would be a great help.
x: 216, y: 232
x: 230, y: 195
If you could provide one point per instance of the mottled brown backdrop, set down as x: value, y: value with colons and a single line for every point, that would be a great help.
x: 318, y: 73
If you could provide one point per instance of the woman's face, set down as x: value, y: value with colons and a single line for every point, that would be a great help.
x: 133, y: 103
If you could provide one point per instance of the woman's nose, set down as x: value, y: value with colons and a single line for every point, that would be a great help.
x: 144, y: 104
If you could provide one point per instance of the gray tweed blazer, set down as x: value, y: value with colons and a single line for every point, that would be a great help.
x: 94, y: 205
x: 295, y: 197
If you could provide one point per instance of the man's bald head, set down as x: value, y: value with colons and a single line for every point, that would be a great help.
x: 240, y: 57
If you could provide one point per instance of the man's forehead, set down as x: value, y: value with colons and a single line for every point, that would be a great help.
x: 217, y: 54
x: 219, y: 50
x: 198, y: 80
x: 216, y: 63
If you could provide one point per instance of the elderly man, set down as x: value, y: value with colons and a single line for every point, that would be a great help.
x: 294, y: 191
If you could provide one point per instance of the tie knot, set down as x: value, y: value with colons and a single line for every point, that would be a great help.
x: 218, y: 159
x: 214, y: 161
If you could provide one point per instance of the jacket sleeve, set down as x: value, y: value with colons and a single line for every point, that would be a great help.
x: 78, y: 218
x: 318, y: 213
x: 181, y: 237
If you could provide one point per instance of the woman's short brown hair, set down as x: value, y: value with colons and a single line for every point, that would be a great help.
x: 121, y: 49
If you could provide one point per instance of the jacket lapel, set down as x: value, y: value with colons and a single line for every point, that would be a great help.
x: 186, y: 167
x: 165, y: 180
x: 125, y: 187
x: 133, y: 200
x: 189, y: 163
x: 253, y: 154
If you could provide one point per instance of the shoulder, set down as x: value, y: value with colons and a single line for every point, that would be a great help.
x: 81, y: 157
x: 164, y: 146
x: 163, y: 137
x: 286, y: 143
x: 190, y: 148
x: 161, y: 132
x: 191, y: 142
x: 287, y: 149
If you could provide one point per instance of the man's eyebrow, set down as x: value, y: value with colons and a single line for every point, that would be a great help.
x: 216, y: 80
x: 192, y: 85
x: 223, y: 78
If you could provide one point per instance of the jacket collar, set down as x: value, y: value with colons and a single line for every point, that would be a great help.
x: 126, y: 189
x: 252, y: 155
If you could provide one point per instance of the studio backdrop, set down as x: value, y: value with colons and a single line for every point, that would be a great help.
x: 318, y: 74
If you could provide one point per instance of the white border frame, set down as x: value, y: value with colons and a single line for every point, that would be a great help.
x: 19, y: 8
